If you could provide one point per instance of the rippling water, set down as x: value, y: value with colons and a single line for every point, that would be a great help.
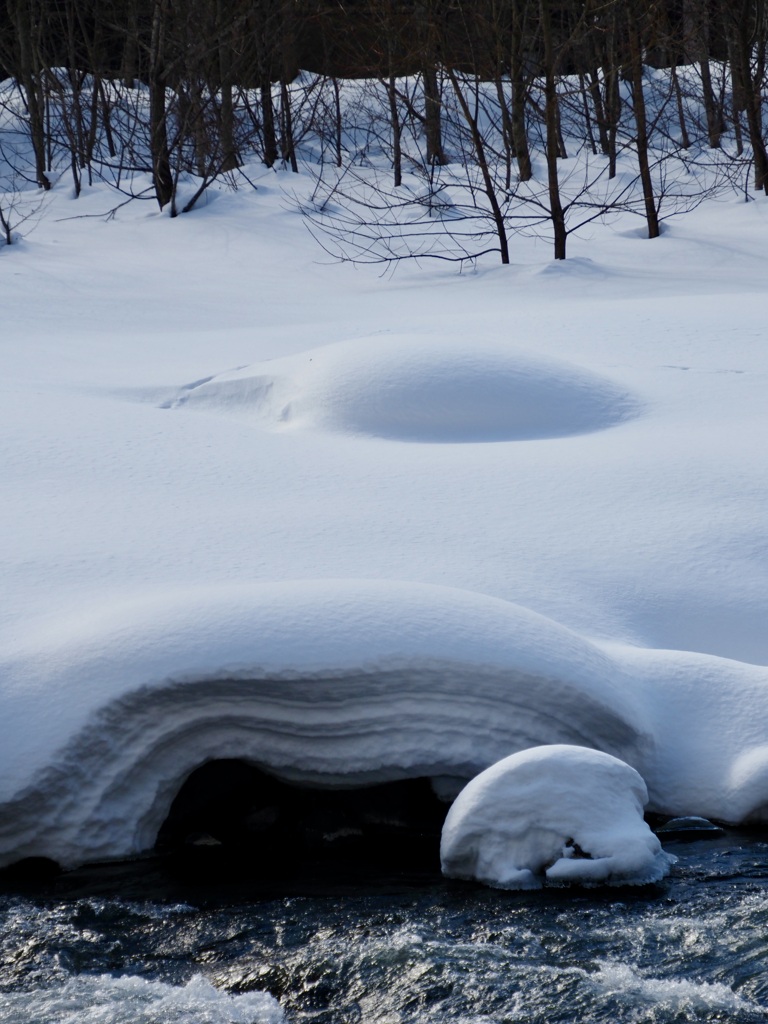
x: 692, y: 949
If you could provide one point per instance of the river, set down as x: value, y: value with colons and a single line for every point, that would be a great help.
x: 133, y: 944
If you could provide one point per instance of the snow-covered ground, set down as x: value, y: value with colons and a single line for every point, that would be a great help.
x: 516, y: 495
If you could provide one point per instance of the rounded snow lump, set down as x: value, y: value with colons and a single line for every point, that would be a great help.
x: 409, y: 388
x: 555, y: 813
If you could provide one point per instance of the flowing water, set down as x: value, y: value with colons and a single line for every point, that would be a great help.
x: 393, y: 950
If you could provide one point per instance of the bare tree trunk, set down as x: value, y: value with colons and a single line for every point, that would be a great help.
x: 268, y: 124
x: 433, y: 117
x: 106, y: 119
x: 685, y: 141
x: 71, y: 106
x: 285, y: 28
x: 597, y: 103
x: 506, y: 130
x: 755, y: 121
x: 229, y: 156
x: 287, y: 145
x: 162, y: 177
x: 612, y: 94
x: 129, y: 63
x: 713, y: 115
x: 746, y: 31
x: 337, y: 120
x: 193, y: 118
x: 737, y: 88
x: 587, y: 115
x: 26, y: 18
x: 755, y: 109
x: 394, y: 119
x: 5, y: 228
x: 641, y: 120
x: 266, y: 30
x: 480, y: 154
x: 552, y: 123
x: 519, y: 93
x: 697, y: 49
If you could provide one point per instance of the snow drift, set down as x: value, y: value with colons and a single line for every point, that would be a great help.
x: 560, y: 813
x: 337, y: 683
x: 408, y: 389
x: 343, y: 683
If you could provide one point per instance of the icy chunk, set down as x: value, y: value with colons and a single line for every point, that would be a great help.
x: 689, y: 828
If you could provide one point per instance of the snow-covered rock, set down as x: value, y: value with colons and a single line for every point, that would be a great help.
x: 558, y: 813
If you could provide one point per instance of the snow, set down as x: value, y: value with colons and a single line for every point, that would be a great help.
x: 409, y: 389
x: 499, y: 508
x: 344, y: 683
x: 338, y: 682
x: 554, y: 813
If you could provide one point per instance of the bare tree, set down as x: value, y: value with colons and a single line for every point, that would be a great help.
x: 634, y: 25
x: 746, y: 28
x: 20, y: 201
x: 25, y: 60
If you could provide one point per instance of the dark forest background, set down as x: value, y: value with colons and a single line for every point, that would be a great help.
x: 170, y: 87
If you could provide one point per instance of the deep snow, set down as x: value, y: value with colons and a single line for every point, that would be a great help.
x: 170, y: 463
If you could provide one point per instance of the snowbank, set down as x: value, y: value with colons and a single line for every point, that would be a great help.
x: 343, y: 683
x: 560, y: 813
x: 409, y: 389
x: 624, y: 499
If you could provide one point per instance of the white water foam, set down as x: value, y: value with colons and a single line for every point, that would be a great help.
x: 134, y: 1000
x: 628, y: 984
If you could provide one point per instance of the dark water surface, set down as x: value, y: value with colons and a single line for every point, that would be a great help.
x: 340, y: 950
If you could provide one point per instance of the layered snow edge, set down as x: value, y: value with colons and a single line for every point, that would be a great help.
x: 347, y: 683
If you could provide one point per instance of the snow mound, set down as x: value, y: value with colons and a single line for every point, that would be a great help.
x: 341, y: 683
x: 557, y: 813
x: 327, y: 683
x: 406, y: 389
